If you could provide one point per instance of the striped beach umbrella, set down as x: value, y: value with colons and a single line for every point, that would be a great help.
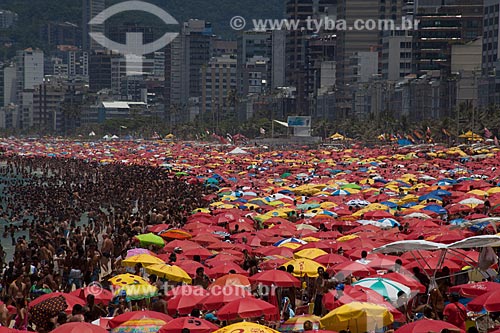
x: 387, y: 288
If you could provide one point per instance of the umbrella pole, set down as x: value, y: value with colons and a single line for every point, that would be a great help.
x: 418, y: 262
x: 457, y: 254
x: 440, y: 263
x: 433, y: 278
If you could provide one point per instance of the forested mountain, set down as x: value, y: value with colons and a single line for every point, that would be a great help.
x: 35, y: 13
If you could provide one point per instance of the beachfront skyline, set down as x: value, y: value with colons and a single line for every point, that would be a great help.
x: 401, y: 66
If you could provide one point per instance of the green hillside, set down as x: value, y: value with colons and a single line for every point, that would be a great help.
x: 34, y: 13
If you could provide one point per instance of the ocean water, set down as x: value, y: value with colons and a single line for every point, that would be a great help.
x: 6, y: 242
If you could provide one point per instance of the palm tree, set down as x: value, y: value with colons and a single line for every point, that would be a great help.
x: 71, y: 113
x: 232, y: 100
x: 175, y: 110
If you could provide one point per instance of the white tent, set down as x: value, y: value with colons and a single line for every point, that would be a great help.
x: 238, y: 151
x: 476, y: 241
x: 106, y: 137
x: 492, y: 220
x: 114, y: 137
x: 409, y: 245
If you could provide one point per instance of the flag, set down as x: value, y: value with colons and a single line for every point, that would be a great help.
x: 123, y: 127
x: 410, y: 138
x: 429, y: 133
x: 229, y: 137
x: 418, y: 134
x: 496, y: 141
x: 445, y: 132
x: 262, y: 131
x: 487, y: 133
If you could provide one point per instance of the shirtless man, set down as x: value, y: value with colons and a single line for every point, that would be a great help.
x: 48, y: 278
x: 18, y: 286
x: 94, y: 260
x: 45, y: 255
x: 106, y: 250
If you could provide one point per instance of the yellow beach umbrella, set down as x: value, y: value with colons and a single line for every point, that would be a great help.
x: 337, y: 136
x: 304, y: 267
x: 347, y: 238
x: 309, y: 253
x: 275, y: 203
x: 360, y: 212
x: 144, y: 259
x: 322, y: 193
x: 306, y: 190
x: 126, y: 279
x: 408, y: 176
x: 408, y: 198
x: 376, y: 206
x: 328, y: 204
x: 137, y: 291
x: 169, y: 272
x: 201, y: 210
x: 493, y: 190
x: 292, y: 246
x: 245, y: 327
x: 357, y: 317
x: 419, y: 185
x: 366, y: 181
x: 416, y: 207
x: 251, y: 206
x: 257, y: 200
x: 479, y: 193
x: 311, y: 239
x: 470, y: 135
x: 374, y: 191
x: 226, y: 206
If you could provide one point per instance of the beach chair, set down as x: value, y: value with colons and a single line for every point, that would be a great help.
x: 484, y: 323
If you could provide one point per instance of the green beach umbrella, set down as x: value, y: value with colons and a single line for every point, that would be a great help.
x: 150, y: 239
x: 286, y: 175
x: 353, y: 186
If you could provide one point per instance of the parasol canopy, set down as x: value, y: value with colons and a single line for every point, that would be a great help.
x: 427, y: 325
x: 195, y: 325
x: 358, y: 318
x: 132, y: 315
x: 243, y: 327
x: 79, y: 328
x: 150, y: 239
